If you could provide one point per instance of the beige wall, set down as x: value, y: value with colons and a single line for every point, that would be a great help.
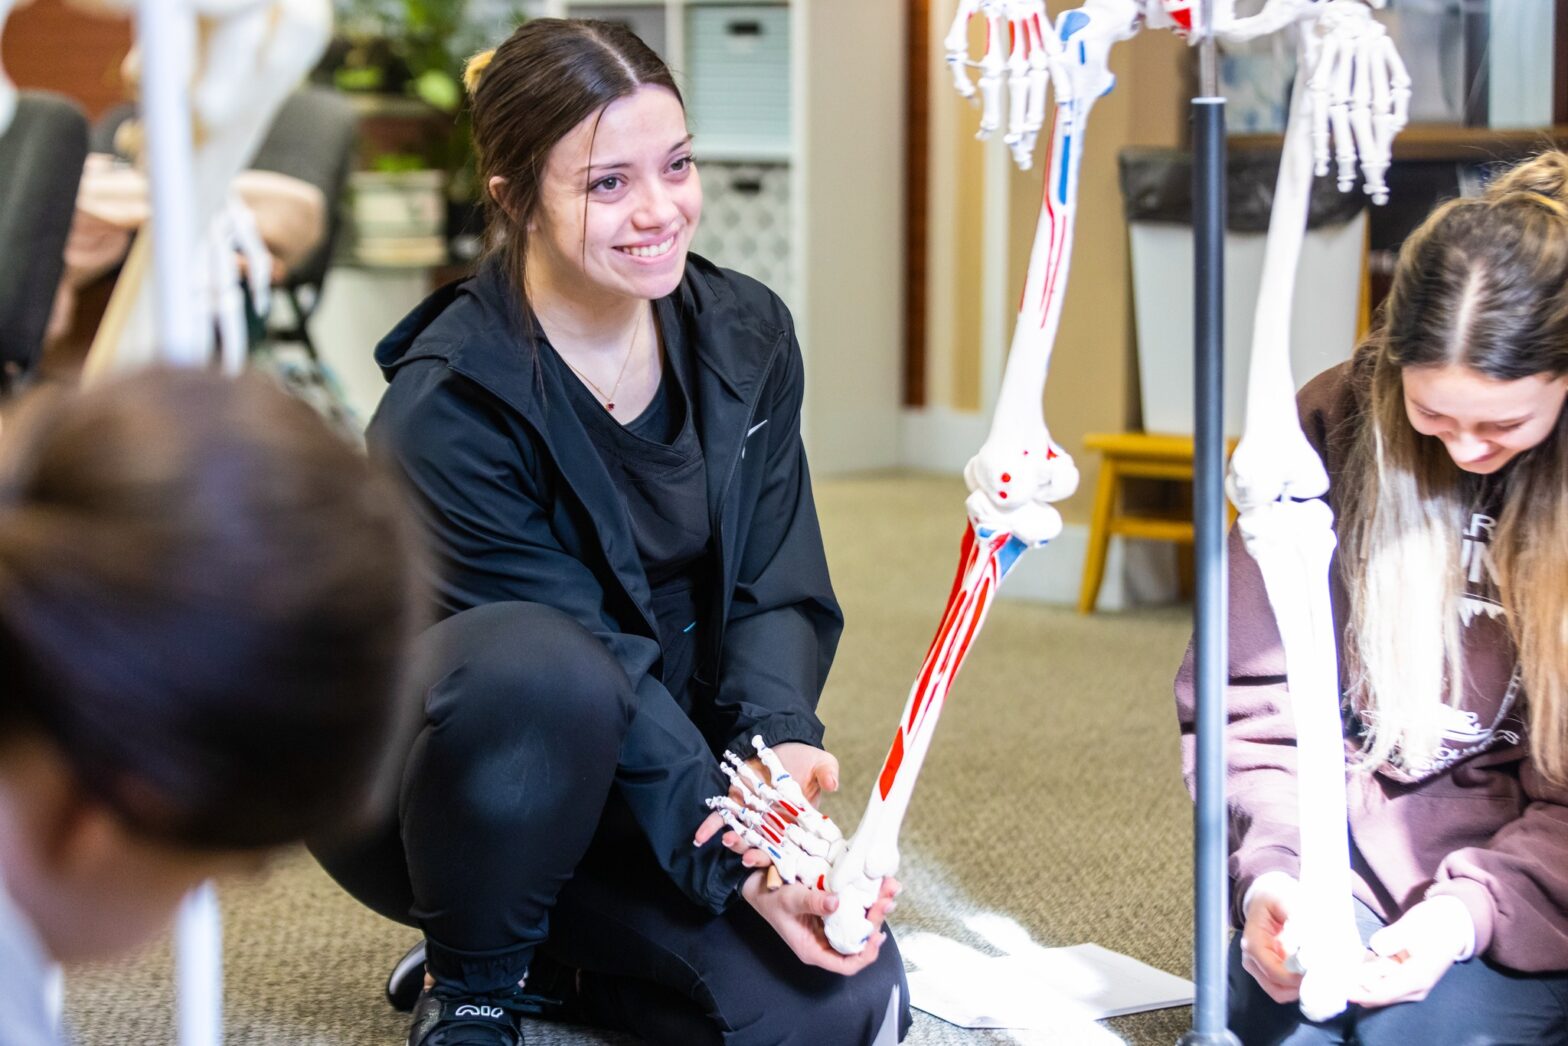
x: 849, y: 112
x: 1092, y: 383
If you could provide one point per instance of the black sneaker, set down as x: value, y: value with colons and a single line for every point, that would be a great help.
x: 407, y: 979
x: 445, y: 1016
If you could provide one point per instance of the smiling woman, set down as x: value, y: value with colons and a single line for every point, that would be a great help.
x: 603, y: 432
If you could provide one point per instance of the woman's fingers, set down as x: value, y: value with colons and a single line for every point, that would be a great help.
x: 825, y: 774
x: 710, y: 824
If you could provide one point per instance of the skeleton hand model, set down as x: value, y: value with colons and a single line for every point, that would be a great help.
x: 1357, y: 87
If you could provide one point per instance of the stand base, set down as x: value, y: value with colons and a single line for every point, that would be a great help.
x: 1203, y: 1038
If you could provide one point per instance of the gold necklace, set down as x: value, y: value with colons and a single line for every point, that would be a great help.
x: 609, y: 399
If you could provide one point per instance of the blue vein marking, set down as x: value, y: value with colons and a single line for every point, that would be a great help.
x: 1067, y: 159
x: 689, y: 627
x: 1008, y: 555
x: 1071, y: 23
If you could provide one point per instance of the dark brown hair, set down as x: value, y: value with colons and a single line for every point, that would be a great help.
x: 548, y: 77
x: 205, y: 596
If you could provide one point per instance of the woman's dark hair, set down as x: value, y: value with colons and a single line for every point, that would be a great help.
x: 548, y: 77
x: 205, y: 596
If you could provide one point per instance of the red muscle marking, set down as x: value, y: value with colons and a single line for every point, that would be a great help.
x: 793, y: 811
x: 770, y: 834
x: 1007, y: 477
x: 822, y: 883
x: 934, y: 658
x: 968, y: 554
x: 1050, y: 455
x: 895, y: 759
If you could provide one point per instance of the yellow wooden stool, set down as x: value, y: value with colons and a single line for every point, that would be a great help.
x: 1133, y: 455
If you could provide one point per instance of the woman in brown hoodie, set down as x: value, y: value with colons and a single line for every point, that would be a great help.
x: 1446, y: 444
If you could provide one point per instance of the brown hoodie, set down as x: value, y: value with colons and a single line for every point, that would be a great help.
x: 1479, y: 823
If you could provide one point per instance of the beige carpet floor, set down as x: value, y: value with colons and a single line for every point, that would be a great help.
x: 1052, y: 795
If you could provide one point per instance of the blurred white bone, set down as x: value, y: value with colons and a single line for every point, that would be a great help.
x: 255, y: 53
x: 7, y: 88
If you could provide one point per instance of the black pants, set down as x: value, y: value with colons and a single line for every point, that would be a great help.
x: 508, y: 840
x: 1476, y: 1003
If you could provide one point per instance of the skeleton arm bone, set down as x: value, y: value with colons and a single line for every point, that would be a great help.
x: 1019, y: 470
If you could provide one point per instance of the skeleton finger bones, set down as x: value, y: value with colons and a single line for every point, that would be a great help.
x: 1015, y: 68
x: 1358, y: 85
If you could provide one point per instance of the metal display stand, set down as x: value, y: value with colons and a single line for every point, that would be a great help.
x: 1210, y: 837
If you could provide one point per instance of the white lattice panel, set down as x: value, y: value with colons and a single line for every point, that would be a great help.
x: 746, y: 221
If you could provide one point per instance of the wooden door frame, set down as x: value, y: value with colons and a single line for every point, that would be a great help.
x: 917, y: 124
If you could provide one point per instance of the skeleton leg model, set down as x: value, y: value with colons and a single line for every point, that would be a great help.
x: 1014, y: 479
x: 1277, y: 480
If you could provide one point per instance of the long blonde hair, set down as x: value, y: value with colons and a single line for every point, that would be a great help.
x: 1482, y: 283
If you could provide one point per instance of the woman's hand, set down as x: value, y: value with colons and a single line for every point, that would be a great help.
x: 796, y: 913
x: 1410, y: 955
x: 815, y: 770
x: 1262, y: 955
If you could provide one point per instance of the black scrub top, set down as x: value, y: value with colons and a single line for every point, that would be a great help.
x: 657, y: 464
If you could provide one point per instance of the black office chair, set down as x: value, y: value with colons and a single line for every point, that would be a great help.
x: 313, y: 139
x: 41, y: 158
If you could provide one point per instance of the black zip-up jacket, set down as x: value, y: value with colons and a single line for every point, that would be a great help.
x: 520, y: 507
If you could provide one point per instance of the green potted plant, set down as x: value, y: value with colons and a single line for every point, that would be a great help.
x: 415, y: 49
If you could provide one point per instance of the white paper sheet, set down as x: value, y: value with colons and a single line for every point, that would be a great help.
x: 1034, y: 987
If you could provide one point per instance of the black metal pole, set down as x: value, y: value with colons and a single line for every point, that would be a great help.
x: 1210, y: 877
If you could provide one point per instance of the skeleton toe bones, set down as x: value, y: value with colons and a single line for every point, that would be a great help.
x: 774, y: 816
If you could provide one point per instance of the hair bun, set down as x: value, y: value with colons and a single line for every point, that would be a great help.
x: 1543, y: 177
x: 475, y: 69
